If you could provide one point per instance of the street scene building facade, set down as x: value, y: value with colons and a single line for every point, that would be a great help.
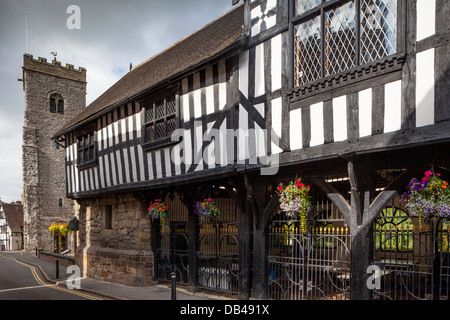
x: 344, y: 99
x: 11, y: 226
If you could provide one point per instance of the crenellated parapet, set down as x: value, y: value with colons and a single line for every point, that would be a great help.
x: 53, y: 68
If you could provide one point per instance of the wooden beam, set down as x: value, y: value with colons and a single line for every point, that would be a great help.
x: 335, y: 197
x: 238, y: 193
x: 360, y: 215
x: 256, y: 196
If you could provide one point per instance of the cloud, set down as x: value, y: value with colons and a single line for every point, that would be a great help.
x: 10, y: 159
x: 113, y: 34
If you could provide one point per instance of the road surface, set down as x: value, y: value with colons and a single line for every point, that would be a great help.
x: 20, y: 281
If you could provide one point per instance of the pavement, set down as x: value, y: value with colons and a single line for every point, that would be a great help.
x: 110, y: 291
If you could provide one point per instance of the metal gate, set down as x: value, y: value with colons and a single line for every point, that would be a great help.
x: 172, y: 254
x: 218, y: 251
x: 412, y: 255
x: 311, y: 266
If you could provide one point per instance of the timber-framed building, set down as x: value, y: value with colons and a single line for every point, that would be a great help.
x: 351, y: 96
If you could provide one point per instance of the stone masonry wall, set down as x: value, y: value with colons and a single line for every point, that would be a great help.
x: 121, y: 254
x: 44, y: 177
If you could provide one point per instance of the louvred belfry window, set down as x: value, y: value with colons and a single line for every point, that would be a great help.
x: 56, y: 104
x: 160, y: 121
x: 331, y: 37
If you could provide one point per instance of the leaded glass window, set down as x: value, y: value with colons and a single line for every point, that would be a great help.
x: 332, y: 37
x: 160, y: 118
x: 308, y: 60
x: 86, y: 150
x: 378, y: 29
x: 340, y: 38
x: 302, y: 6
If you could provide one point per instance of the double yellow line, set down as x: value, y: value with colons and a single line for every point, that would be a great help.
x: 52, y: 286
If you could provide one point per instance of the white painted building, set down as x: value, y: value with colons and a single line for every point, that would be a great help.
x: 11, y: 226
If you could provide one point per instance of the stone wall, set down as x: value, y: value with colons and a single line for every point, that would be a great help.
x: 44, y: 177
x: 122, y: 253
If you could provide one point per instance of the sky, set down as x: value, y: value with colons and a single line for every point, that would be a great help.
x: 111, y: 35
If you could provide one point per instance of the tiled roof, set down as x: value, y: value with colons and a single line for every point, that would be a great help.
x: 14, y: 215
x: 203, y: 45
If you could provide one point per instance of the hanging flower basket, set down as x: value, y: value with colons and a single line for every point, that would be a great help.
x: 60, y: 228
x: 429, y: 197
x: 295, y: 201
x: 158, y: 210
x: 207, y: 208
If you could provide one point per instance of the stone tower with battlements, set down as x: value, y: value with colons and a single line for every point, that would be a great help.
x: 54, y: 94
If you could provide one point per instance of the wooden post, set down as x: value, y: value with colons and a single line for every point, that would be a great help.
x: 239, y: 195
x: 256, y: 202
x: 361, y: 251
x: 255, y: 199
x: 360, y: 215
x: 245, y: 225
x: 193, y: 238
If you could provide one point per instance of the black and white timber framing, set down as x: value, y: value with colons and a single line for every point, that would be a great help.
x: 239, y: 114
x: 389, y: 103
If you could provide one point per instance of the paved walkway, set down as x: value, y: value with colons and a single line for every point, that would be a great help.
x: 106, y: 289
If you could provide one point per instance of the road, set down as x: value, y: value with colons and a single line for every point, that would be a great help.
x: 20, y: 281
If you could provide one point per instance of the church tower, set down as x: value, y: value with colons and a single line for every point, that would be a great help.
x: 54, y: 94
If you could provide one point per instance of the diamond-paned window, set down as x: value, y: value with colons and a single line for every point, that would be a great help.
x: 307, y: 46
x: 332, y: 37
x: 340, y: 38
x: 378, y: 29
x: 86, y: 150
x: 301, y: 6
x: 160, y: 119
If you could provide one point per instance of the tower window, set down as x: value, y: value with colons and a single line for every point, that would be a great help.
x: 56, y: 104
